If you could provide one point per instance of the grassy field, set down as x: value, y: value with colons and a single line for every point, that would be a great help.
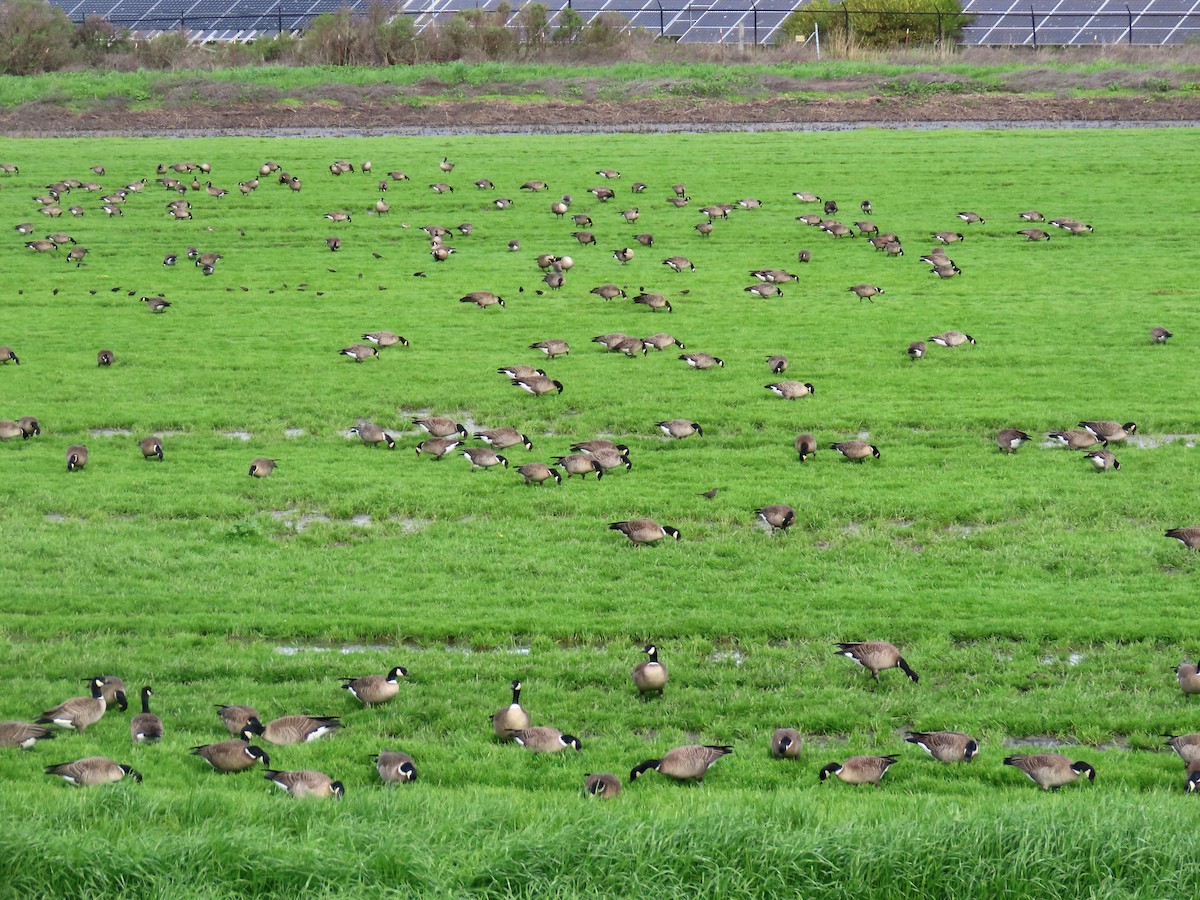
x: 1037, y: 598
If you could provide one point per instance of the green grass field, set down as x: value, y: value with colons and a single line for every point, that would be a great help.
x: 1037, y: 598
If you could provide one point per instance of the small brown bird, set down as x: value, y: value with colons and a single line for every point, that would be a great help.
x: 395, y: 767
x: 145, y: 727
x: 306, y: 783
x: 92, y: 770
x: 511, y: 718
x: 1108, y: 432
x: 77, y: 457
x: 777, y: 364
x: 806, y: 446
x: 1159, y: 335
x: 689, y: 762
x: 710, y: 494
x: 151, y: 448
x: 916, y: 350
x: 791, y: 390
x: 860, y: 769
x: 1189, y: 537
x: 945, y: 746
x: 650, y: 676
x: 786, y: 743
x: 1102, y: 460
x: 602, y: 784
x: 779, y: 516
x: 371, y: 690
x: 484, y: 458
x: 262, y: 467
x: 232, y: 756
x: 1050, y: 771
x: 644, y: 531
x: 855, y: 450
x: 23, y: 734
x: 1010, y: 439
x: 545, y: 740
x: 875, y: 656
x: 299, y: 729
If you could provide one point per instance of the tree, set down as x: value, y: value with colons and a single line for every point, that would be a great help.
x: 879, y: 23
x: 35, y: 36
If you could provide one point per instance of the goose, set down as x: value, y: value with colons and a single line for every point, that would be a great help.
x: 623, y: 256
x: 372, y: 435
x: 804, y: 256
x: 830, y: 207
x: 679, y: 190
x: 610, y: 341
x: 93, y: 770
x: 596, y: 445
x: 400, y: 176
x: 1102, y: 460
x: 947, y: 237
x: 893, y: 248
x: 679, y: 263
x: 306, y: 783
x: 806, y: 197
x: 538, y: 385
x: 1034, y: 234
x: 441, y: 188
x: 945, y: 746
x: 660, y: 341
x: 790, y: 390
x: 702, y: 360
x: 1159, y: 335
x: 24, y: 228
x: 951, y: 339
x: 438, y: 447
x: 645, y: 239
x: 484, y: 184
x: 338, y: 215
x: 608, y: 291
x: 1031, y: 215
x: 806, y: 446
x: 650, y: 676
x: 560, y: 209
x: 145, y: 727
x: 679, y: 202
x: 535, y: 186
x: 971, y: 217
x: 775, y: 276
x: 749, y: 203
x: 208, y: 259
x: 381, y: 207
x: 333, y: 243
x: 484, y: 458
x: 112, y: 689
x: 503, y: 438
x: 439, y: 426
x: 60, y: 238
x: 680, y: 428
x: 170, y: 259
x: 1188, y: 676
x: 916, y: 350
x: 608, y: 173
x: 372, y: 690
x: 538, y: 473
x: 502, y: 203
x: 77, y: 457
x: 866, y: 291
x: 764, y: 289
x: 511, y: 718
x: 581, y: 220
x: 385, y: 339
x: 441, y: 253
x: 29, y: 426
x: 584, y: 237
x: 1186, y: 745
x: 837, y: 229
x: 687, y: 763
x: 1010, y: 439
x: 581, y: 464
x: 705, y: 228
x: 1193, y: 777
x: 395, y: 767
x: 262, y: 467
x: 482, y: 299
x: 23, y: 734
x: 603, y: 194
x: 875, y: 656
x: 865, y: 206
x: 78, y: 713
x: 654, y: 301
x: 1108, y: 432
x: 213, y: 191
x: 9, y: 430
x: 1050, y: 771
x: 151, y: 448
x: 104, y: 358
x: 946, y: 270
x: 1073, y: 440
x: 1190, y: 538
x: 359, y: 352
x: 936, y: 257
x: 1078, y: 228
x: 7, y: 355
x: 41, y: 246
x: 608, y: 458
x: 552, y: 347
x: 860, y: 769
x: 715, y: 212
x: 155, y: 304
x: 786, y: 743
x: 604, y: 785
x: 247, y: 187
x: 644, y: 531
x: 867, y: 227
x: 545, y: 740
x: 299, y: 729
x: 232, y: 756
x: 778, y: 516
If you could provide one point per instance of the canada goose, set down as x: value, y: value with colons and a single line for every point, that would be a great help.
x: 650, y: 676
x: 806, y: 446
x: 23, y: 734
x: 155, y: 304
x: 790, y: 390
x: 545, y: 740
x: 679, y: 190
x: 1031, y: 215
x: 535, y: 186
x: 705, y: 228
x: 439, y: 426
x: 702, y: 360
x: 837, y: 229
x: 77, y: 457
x: 441, y: 188
x: 1186, y: 745
x: 936, y: 257
x: 892, y: 248
x: 306, y: 783
x: 860, y: 769
x: 866, y: 291
x: 786, y: 743
x: 511, y: 718
x: 41, y: 246
x: 78, y: 713
x: 104, y: 358
x: 603, y: 194
x: 610, y: 341
x: 484, y: 184
x: 945, y: 746
x: 1159, y: 335
x: 875, y: 656
x: 151, y: 448
x: 238, y: 718
x: 503, y: 438
x: 395, y: 767
x: 110, y: 210
x: 385, y: 339
x: 1102, y: 460
x: 1034, y: 234
x: 502, y: 203
x: 867, y: 227
x: 916, y: 350
x: 947, y: 237
x: 595, y: 446
x: 262, y: 467
x: 482, y: 299
x: 484, y: 458
x: 830, y: 207
x: 538, y: 473
x: 438, y: 447
x: 170, y: 259
x: 7, y: 355
x: 680, y: 428
x: 24, y: 228
x: 1188, y: 674
x: 232, y: 756
x: 29, y: 426
x: 112, y: 689
x: 715, y: 212
x: 359, y: 352
x: 604, y: 785
x: 611, y: 458
x: 1190, y: 538
x: 778, y: 516
x: 623, y: 256
x: 145, y: 727
x: 538, y: 385
x: 584, y: 237
x: 645, y: 239
x: 333, y: 243
x: 1078, y: 228
x: 60, y: 238
x: 441, y: 253
x: 690, y: 761
x: 775, y: 276
x: 970, y: 216
x: 1073, y: 440
x: 608, y: 173
x: 1050, y: 771
x: 654, y: 301
x: 372, y: 435
x: 804, y: 256
x: 945, y: 270
x: 764, y: 289
x: 660, y: 341
x: 92, y: 770
x: 552, y: 347
x: 247, y: 187
x: 644, y: 531
x: 679, y: 263
x: 1010, y: 439
x: 381, y: 208
x: 749, y: 203
x: 608, y: 291
x: 581, y: 464
x: 9, y: 430
x: 215, y: 191
x: 338, y: 216
x: 1108, y: 432
x: 372, y: 690
x: 298, y: 729
x: 951, y: 339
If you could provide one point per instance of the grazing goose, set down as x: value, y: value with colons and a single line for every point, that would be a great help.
x: 262, y: 467
x: 1159, y: 335
x: 511, y: 718
x: 597, y: 445
x: 545, y: 740
x: 855, y: 450
x: 299, y: 729
x: 650, y: 676
x: 104, y: 358
x: 680, y: 428
x: 76, y: 255
x: 77, y: 457
x: 778, y: 516
x: 334, y: 243
x: 482, y: 299
x: 875, y: 656
x: 554, y: 280
x: 7, y: 355
x: 372, y: 690
x: 23, y: 734
x: 764, y: 289
x: 232, y: 756
x: 786, y: 743
x: 687, y: 763
x: 916, y: 350
x: 1050, y: 771
x: 395, y: 767
x: 41, y: 246
x: 951, y: 339
x: 645, y: 239
x: 702, y: 360
x: 1188, y: 676
x: 1102, y: 459
x: 660, y: 341
x: 92, y: 770
x: 584, y: 237
x: 385, y: 339
x: 806, y: 197
x: 503, y: 438
x: 520, y: 371
x: 608, y: 291
x: 535, y: 186
x: 866, y: 291
x: 484, y: 458
x: 970, y: 216
x: 1031, y: 215
x: 804, y: 256
x: 441, y: 253
x: 623, y: 256
x: 860, y: 769
x: 306, y: 783
x: 1073, y: 440
x: 608, y: 173
x: 830, y: 207
x: 945, y: 746
x: 1010, y: 439
x: 777, y: 364
x: 538, y: 473
x: 78, y: 713
x: 113, y: 690
x: 484, y: 184
x: 1186, y: 745
x: 654, y: 301
x: 644, y: 531
x: 441, y: 188
x: 790, y: 390
x: 439, y: 426
x: 1034, y: 234
x: 679, y: 263
x: 806, y: 446
x: 9, y: 430
x: 238, y: 718
x: 552, y: 347
x: 581, y: 464
x: 538, y: 385
x: 1189, y: 537
x: 151, y: 448
x: 947, y: 237
x: 1107, y: 432
x: 502, y: 202
x: 604, y: 785
x: 946, y: 270
x: 438, y: 447
x: 29, y: 426
x: 373, y: 435
x: 445, y: 165
x: 155, y: 304
x: 145, y: 727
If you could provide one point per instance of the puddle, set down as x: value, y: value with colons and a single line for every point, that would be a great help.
x: 361, y: 519
x: 110, y: 432
x: 1073, y: 659
x: 852, y: 528
x: 240, y: 435
x: 294, y: 432
x: 1146, y: 441
x: 55, y: 517
x: 1040, y: 742
x: 344, y: 649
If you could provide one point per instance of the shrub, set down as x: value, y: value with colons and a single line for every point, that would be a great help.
x: 535, y: 24
x: 878, y: 23
x: 96, y: 38
x: 168, y: 50
x: 570, y: 23
x: 35, y: 36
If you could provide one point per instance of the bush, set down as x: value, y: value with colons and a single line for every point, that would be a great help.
x: 97, y: 38
x: 169, y: 50
x: 35, y: 36
x: 878, y: 23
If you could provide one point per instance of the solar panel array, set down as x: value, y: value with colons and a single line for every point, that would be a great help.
x: 995, y: 22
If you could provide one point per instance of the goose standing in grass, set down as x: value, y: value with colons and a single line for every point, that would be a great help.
x: 1103, y: 460
x: 1050, y: 771
x: 650, y: 676
x: 1073, y: 440
x: 395, y: 767
x: 372, y: 435
x: 951, y: 339
x: 104, y: 358
x: 237, y: 719
x: 916, y: 350
x: 232, y: 756
x: 78, y: 713
x: 93, y: 770
x: 778, y: 517
x: 1189, y: 537
x: 1186, y: 745
x: 151, y: 448
x: 680, y: 428
x: 790, y: 390
x: 299, y: 729
x: 145, y: 727
x: 875, y: 656
x: 645, y: 531
x: 306, y: 783
x: 1109, y: 432
x: 786, y: 743
x: 687, y: 763
x: 660, y: 341
x: 439, y: 426
x: 538, y: 385
x: 805, y: 445
x: 860, y: 769
x: 702, y: 360
x: 538, y: 473
x: 552, y: 347
x: 482, y: 299
x: 511, y: 718
x: 866, y: 291
x: 581, y: 464
x: 23, y: 734
x: 945, y: 746
x: 1188, y: 676
x: 438, y: 448
x: 371, y: 690
x: 9, y: 430
x: 262, y: 467
x: 856, y: 450
x: 545, y: 740
x: 359, y: 352
x: 777, y: 364
x: 77, y: 457
x: 7, y: 355
x: 604, y: 785
x: 1010, y: 439
x: 504, y: 437
x: 484, y: 458
x: 1159, y: 335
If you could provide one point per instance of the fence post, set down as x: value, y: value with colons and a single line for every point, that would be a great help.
x: 662, y: 26
x: 1033, y: 25
x: 754, y: 10
x: 940, y: 36
x: 1129, y: 12
x: 279, y: 19
x: 846, y: 12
